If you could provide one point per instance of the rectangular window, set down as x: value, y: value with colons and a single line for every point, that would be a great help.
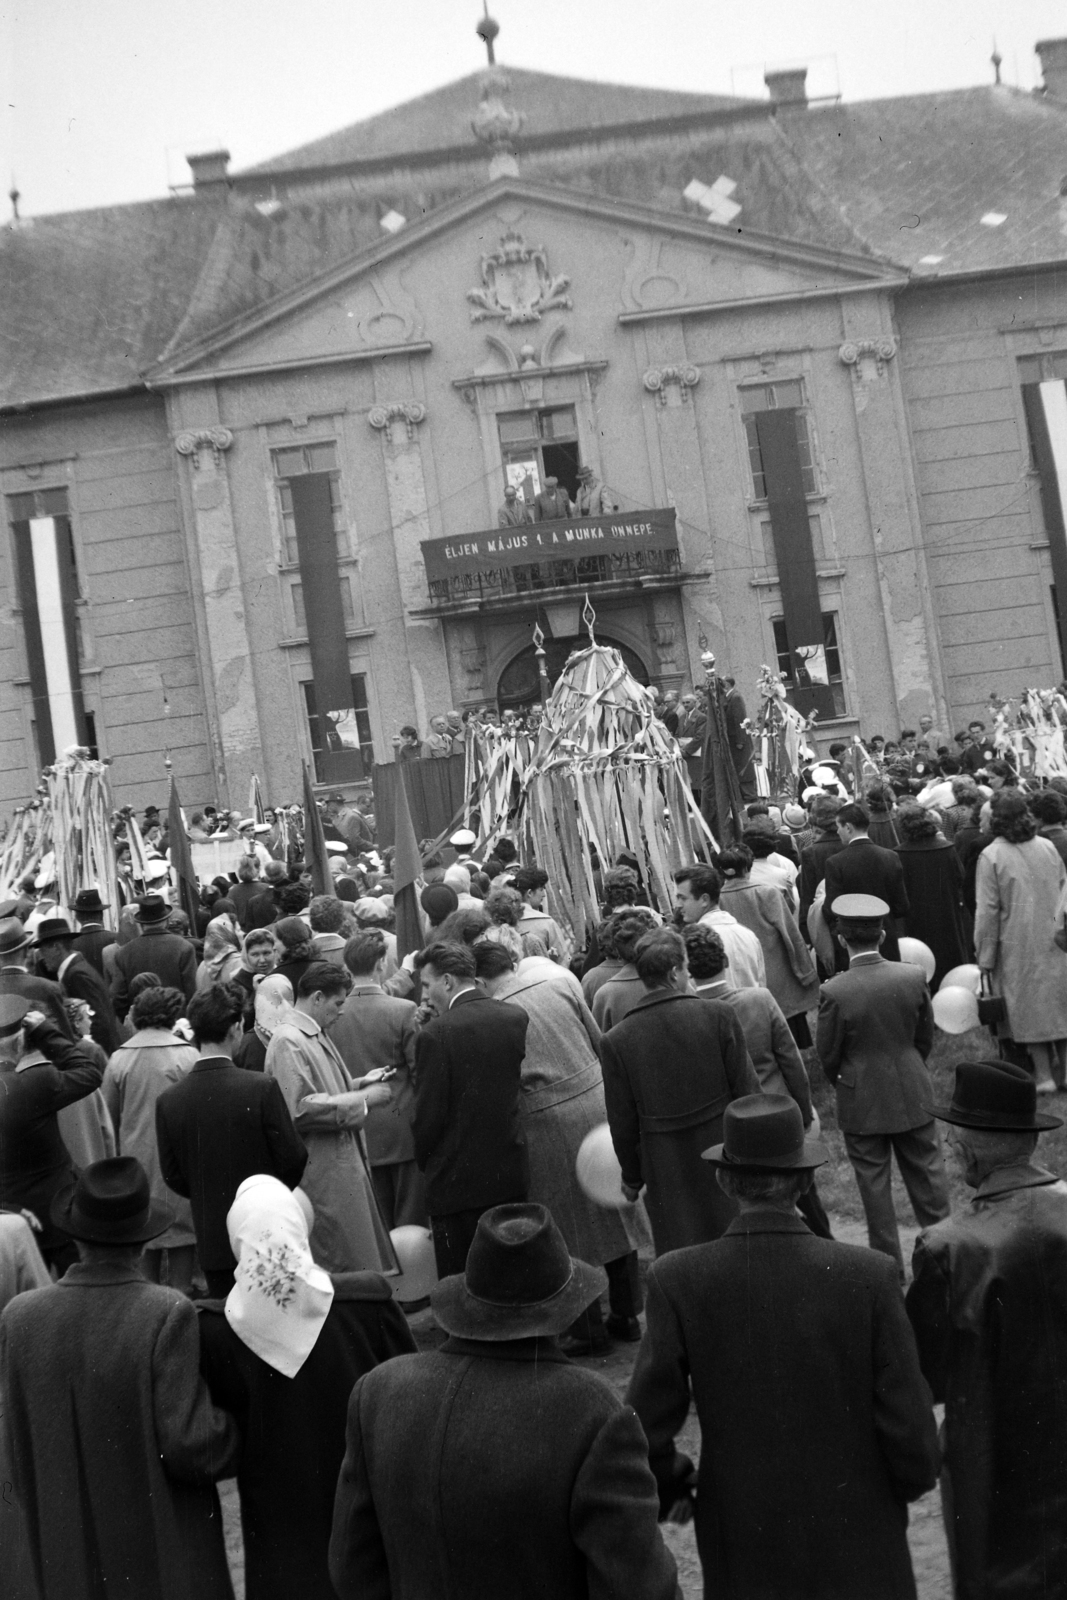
x: 535, y: 445
x: 47, y: 503
x: 339, y: 759
x: 300, y: 615
x: 833, y: 658
x: 782, y: 396
x: 291, y: 462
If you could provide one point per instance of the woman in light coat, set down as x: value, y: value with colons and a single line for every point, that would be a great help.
x: 791, y: 975
x: 135, y: 1077
x: 562, y: 1100
x: 1021, y: 879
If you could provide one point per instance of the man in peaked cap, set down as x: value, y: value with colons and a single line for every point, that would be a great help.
x: 876, y: 1029
x: 989, y: 1309
x: 816, y: 1426
x: 41, y: 1071
x: 493, y: 1465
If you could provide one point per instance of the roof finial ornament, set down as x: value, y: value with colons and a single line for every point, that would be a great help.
x: 487, y: 30
x: 495, y: 123
x: 14, y: 196
x: 996, y: 58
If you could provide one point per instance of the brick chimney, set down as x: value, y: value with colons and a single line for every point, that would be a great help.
x: 209, y: 170
x: 787, y: 87
x: 1053, y: 57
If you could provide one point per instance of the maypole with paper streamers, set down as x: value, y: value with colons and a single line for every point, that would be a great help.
x: 605, y: 776
x: 79, y: 806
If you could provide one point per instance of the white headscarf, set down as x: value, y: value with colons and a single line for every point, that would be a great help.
x: 274, y: 996
x: 280, y: 1298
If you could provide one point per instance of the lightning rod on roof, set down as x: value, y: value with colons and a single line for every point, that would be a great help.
x: 14, y: 197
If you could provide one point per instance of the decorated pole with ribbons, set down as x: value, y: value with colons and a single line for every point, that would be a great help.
x: 604, y: 777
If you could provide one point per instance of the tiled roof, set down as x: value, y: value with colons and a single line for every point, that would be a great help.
x: 442, y: 118
x: 94, y: 299
x: 913, y: 177
x: 91, y: 297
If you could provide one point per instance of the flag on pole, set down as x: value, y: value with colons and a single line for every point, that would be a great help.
x: 315, y: 851
x: 407, y: 866
x: 181, y: 859
x: 255, y: 800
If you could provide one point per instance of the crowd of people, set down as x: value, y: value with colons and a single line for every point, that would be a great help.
x: 229, y: 1151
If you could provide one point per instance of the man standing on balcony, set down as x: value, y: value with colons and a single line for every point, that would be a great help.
x: 592, y: 499
x: 553, y: 503
x: 514, y: 513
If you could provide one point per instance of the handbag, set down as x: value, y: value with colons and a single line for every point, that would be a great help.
x: 992, y: 1008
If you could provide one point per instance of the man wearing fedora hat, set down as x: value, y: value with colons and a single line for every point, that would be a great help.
x: 112, y: 1442
x: 493, y: 1465
x: 77, y: 979
x: 92, y: 938
x: 875, y: 1031
x: 16, y: 942
x: 168, y: 955
x: 41, y: 1071
x: 816, y: 1425
x: 989, y: 1308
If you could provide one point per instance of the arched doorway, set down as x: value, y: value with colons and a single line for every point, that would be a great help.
x: 520, y: 682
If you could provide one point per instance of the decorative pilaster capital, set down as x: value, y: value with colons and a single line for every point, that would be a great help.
x: 878, y: 350
x: 191, y: 442
x: 657, y: 380
x: 412, y: 411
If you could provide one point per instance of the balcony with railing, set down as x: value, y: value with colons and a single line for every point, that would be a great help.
x: 502, y: 567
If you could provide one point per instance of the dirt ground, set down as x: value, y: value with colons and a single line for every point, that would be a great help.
x: 837, y: 1187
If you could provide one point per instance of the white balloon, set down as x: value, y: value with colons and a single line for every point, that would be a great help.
x: 918, y: 955
x: 955, y: 1010
x: 597, y: 1168
x: 418, y: 1264
x: 966, y: 977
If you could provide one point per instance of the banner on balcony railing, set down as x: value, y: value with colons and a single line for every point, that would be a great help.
x: 622, y: 533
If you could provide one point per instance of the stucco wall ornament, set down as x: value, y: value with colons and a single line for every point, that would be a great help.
x: 658, y: 381
x: 412, y: 411
x: 192, y: 442
x: 877, y: 350
x: 517, y: 284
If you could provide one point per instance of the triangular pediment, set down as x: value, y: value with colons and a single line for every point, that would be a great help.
x: 505, y: 256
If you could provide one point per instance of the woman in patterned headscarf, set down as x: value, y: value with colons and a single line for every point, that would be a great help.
x: 282, y: 1355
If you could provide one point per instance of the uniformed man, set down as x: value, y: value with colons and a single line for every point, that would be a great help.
x: 876, y: 1029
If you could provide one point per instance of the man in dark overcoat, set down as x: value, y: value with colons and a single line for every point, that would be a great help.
x: 814, y: 856
x: 220, y: 1125
x: 467, y: 1124
x: 111, y: 1443
x: 92, y: 938
x: 863, y: 867
x: 671, y: 1067
x: 989, y: 1308
x: 875, y: 1031
x: 168, y: 955
x: 41, y: 1071
x: 16, y: 978
x: 77, y: 979
x: 816, y: 1425
x: 494, y: 1466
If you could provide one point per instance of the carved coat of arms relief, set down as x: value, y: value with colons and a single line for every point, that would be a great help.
x: 517, y: 285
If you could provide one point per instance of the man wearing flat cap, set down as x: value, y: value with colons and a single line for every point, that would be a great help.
x: 494, y: 1466
x: 816, y: 1426
x: 876, y: 1029
x: 41, y: 1071
x: 989, y: 1309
